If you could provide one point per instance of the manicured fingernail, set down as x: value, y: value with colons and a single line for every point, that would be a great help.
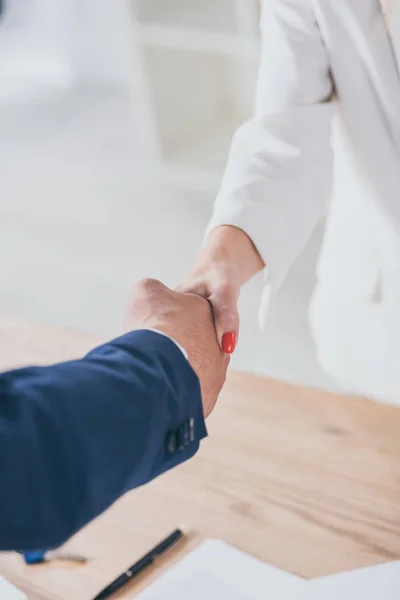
x: 229, y: 342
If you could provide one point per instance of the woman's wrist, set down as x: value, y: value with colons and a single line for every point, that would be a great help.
x: 227, y: 260
x: 227, y: 244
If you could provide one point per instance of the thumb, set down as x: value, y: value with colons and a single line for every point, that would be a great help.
x: 224, y: 301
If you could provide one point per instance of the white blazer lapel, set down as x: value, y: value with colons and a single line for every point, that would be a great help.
x: 368, y: 82
x: 368, y: 27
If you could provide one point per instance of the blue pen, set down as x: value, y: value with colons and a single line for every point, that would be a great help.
x: 41, y: 556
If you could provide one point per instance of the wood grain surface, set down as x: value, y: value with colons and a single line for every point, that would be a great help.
x: 303, y: 479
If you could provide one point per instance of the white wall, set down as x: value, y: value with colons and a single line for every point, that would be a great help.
x: 102, y: 40
x: 76, y: 228
x: 51, y: 44
x: 35, y: 48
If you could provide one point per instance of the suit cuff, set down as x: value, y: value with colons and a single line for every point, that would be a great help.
x: 181, y: 348
x: 184, y: 426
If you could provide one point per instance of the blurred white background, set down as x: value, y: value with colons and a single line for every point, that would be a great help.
x: 115, y: 123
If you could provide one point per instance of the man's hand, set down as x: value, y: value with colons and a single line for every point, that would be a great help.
x: 189, y: 320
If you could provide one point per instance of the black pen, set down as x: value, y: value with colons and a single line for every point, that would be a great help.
x: 147, y: 560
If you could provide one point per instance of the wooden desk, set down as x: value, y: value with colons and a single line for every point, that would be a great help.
x: 302, y: 479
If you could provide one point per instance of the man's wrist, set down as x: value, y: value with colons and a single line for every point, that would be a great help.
x: 177, y: 344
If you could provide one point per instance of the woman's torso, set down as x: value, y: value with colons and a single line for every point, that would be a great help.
x: 355, y: 312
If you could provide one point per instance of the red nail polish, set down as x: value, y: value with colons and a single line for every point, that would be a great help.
x: 229, y: 342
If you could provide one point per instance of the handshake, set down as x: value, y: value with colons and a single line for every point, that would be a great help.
x: 188, y: 319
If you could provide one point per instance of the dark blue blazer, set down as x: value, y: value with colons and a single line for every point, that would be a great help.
x: 75, y: 436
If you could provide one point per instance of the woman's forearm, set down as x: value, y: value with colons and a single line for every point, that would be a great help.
x: 227, y: 260
x: 227, y: 243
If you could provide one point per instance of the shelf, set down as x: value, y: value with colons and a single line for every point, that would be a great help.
x: 199, y: 163
x: 179, y: 39
x: 215, y: 26
x: 216, y: 16
x: 200, y: 60
x: 191, y: 91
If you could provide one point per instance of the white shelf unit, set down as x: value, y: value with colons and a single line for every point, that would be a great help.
x: 199, y: 61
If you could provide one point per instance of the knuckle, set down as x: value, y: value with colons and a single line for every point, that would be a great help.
x: 143, y: 291
x: 225, y: 294
x: 148, y: 284
x: 195, y: 286
x: 146, y: 288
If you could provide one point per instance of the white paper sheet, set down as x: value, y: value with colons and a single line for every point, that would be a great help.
x: 217, y: 571
x: 9, y: 592
x: 371, y: 583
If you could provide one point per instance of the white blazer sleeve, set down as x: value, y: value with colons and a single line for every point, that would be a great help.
x: 279, y: 171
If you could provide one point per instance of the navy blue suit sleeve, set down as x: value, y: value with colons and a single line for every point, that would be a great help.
x: 75, y: 436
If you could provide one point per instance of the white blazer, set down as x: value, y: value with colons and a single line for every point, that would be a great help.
x: 326, y: 135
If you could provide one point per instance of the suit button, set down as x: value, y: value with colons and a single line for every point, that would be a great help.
x: 181, y: 438
x: 171, y: 443
x: 191, y: 430
x: 186, y: 434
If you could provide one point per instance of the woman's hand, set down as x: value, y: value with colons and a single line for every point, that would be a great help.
x: 227, y: 261
x: 214, y: 278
